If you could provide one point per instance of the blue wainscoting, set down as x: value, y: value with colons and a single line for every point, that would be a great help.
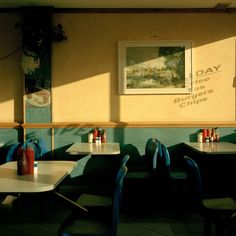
x: 171, y: 137
x: 64, y: 137
x: 8, y: 136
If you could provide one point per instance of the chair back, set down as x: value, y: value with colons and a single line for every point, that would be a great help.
x: 38, y: 145
x: 114, y: 211
x: 231, y: 228
x: 120, y: 171
x: 130, y: 149
x: 12, y: 153
x: 151, y: 153
x: 124, y: 160
x: 165, y: 157
x: 134, y: 155
x: 161, y: 161
x: 194, y: 178
x: 117, y: 199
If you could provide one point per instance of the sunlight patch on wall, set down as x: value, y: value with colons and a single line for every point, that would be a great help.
x: 213, y: 78
x: 7, y: 110
x: 83, y: 100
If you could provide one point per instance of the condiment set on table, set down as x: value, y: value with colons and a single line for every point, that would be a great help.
x: 208, y: 135
x: 25, y: 161
x: 98, y: 136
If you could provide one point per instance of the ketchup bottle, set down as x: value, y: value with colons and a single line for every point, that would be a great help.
x: 95, y: 134
x: 22, y: 165
x: 204, y: 135
x: 104, y: 137
x: 29, y: 153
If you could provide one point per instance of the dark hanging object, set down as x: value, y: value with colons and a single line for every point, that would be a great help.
x: 36, y: 32
x: 58, y: 34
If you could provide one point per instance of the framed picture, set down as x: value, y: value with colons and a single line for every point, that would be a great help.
x: 155, y: 67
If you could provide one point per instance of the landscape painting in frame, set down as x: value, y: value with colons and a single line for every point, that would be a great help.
x: 155, y: 67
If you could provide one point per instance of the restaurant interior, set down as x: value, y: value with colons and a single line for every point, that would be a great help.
x: 135, y: 97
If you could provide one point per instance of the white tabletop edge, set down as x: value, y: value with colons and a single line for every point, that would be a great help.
x: 92, y: 148
x: 46, y: 179
x: 213, y: 147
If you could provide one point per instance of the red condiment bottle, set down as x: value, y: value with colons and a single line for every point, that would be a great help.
x: 204, y: 135
x: 22, y: 165
x: 95, y: 134
x: 104, y: 137
x: 29, y: 153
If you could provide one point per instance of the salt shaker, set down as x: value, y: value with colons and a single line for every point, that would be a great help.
x: 90, y: 137
x: 199, y: 137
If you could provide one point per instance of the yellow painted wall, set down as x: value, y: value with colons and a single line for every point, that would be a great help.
x: 10, y: 71
x: 85, y: 68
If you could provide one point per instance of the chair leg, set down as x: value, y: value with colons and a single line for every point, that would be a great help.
x: 207, y: 227
x: 219, y: 231
x: 220, y: 226
x: 178, y: 193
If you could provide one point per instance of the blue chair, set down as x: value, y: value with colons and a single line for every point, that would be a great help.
x: 97, y: 221
x: 86, y: 199
x: 172, y: 181
x: 11, y: 156
x: 12, y: 153
x: 173, y: 174
x: 140, y: 163
x: 215, y: 210
x: 137, y: 162
x: 151, y: 150
x: 230, y: 229
x: 140, y: 181
x: 124, y: 160
x: 147, y: 165
x: 38, y: 145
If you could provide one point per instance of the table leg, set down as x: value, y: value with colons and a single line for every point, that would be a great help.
x: 71, y: 204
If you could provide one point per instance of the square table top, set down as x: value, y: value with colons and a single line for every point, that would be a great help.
x: 213, y: 147
x: 95, y: 149
x: 46, y: 178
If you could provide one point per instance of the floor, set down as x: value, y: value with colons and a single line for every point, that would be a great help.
x: 21, y: 218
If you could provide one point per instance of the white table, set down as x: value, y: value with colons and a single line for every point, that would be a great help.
x: 216, y: 161
x: 95, y: 149
x: 213, y: 147
x: 47, y: 177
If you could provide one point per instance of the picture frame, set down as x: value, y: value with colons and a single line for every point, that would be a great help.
x: 160, y: 67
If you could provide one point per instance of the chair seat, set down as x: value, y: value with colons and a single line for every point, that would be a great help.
x: 94, y: 200
x: 82, y: 224
x: 216, y: 210
x: 138, y: 175
x: 97, y: 220
x: 230, y: 229
x: 226, y: 203
x: 178, y: 175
